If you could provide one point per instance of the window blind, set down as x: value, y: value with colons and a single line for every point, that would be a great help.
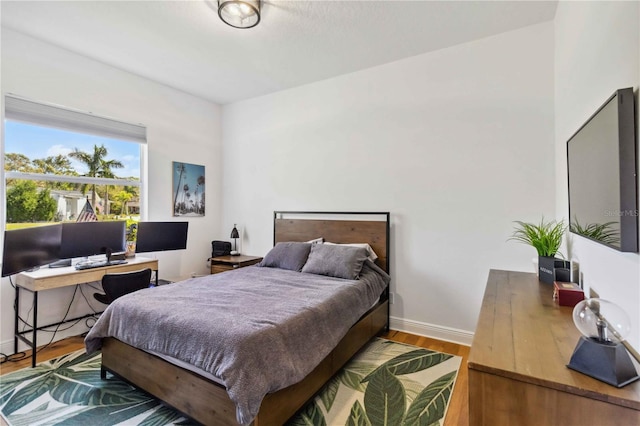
x: 26, y: 111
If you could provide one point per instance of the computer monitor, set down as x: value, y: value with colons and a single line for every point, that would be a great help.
x: 28, y: 248
x: 161, y: 236
x: 82, y: 239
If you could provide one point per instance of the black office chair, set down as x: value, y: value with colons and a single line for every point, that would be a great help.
x: 116, y: 285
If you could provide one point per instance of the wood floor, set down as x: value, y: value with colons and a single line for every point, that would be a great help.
x: 457, y: 414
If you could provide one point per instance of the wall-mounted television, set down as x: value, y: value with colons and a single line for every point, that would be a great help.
x: 161, y: 236
x: 603, y: 181
x: 83, y: 239
x: 28, y: 248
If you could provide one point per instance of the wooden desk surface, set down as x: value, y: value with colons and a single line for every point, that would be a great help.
x: 49, y: 278
x: 523, y: 335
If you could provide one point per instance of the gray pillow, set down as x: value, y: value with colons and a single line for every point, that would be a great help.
x: 335, y: 261
x: 290, y: 255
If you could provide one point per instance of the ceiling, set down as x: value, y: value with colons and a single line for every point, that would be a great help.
x: 183, y: 44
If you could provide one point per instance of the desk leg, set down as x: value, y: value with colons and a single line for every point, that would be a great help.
x: 16, y: 327
x: 35, y: 329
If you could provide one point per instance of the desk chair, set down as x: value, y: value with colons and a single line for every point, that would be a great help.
x: 116, y: 285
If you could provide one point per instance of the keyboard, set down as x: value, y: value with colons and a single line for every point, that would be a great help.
x: 98, y: 264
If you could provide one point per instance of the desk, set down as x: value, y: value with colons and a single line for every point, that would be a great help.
x: 50, y: 278
x: 517, y: 364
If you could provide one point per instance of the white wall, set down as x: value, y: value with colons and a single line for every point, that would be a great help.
x: 180, y: 127
x: 597, y: 50
x: 456, y: 144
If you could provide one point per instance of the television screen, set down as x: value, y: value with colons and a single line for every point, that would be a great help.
x: 82, y: 239
x: 28, y: 248
x: 601, y: 161
x: 161, y: 236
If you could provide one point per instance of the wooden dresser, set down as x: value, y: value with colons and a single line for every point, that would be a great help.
x: 517, y: 364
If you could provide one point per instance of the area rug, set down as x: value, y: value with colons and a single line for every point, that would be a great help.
x: 386, y: 383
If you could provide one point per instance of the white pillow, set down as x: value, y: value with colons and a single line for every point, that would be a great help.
x: 371, y: 255
x: 316, y: 241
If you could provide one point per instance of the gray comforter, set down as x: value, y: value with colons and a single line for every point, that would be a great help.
x: 256, y: 329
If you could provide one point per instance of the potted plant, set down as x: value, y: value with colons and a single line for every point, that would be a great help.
x: 132, y: 235
x: 546, y: 238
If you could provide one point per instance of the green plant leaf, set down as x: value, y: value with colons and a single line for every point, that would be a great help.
x: 545, y: 237
x: 352, y: 380
x: 384, y: 399
x: 42, y: 415
x: 105, y: 415
x: 411, y: 362
x: 162, y: 416
x: 329, y: 392
x: 30, y: 392
x: 12, y: 381
x: 411, y: 388
x: 311, y: 415
x: 358, y: 417
x: 111, y: 392
x: 430, y: 405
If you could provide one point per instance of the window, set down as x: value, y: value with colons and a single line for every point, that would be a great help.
x: 57, y: 159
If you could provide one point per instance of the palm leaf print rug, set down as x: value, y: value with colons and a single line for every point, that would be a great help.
x: 386, y: 383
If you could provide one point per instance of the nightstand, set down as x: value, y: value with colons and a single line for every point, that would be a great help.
x: 229, y: 263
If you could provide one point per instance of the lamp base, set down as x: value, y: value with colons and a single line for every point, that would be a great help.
x: 607, y: 362
x: 235, y: 253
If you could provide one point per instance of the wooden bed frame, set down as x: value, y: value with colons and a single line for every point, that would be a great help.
x: 206, y: 401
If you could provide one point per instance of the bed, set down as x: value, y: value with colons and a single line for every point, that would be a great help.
x: 207, y: 400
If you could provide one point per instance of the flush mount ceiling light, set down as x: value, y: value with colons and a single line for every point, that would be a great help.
x: 239, y: 13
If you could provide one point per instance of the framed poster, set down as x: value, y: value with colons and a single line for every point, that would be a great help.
x: 188, y: 189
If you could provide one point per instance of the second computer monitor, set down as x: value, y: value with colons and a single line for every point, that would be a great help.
x: 83, y: 239
x: 161, y: 236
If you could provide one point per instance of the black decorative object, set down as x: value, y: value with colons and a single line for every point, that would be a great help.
x: 562, y: 274
x: 235, y: 235
x: 547, y: 266
x: 606, y: 361
x: 601, y: 352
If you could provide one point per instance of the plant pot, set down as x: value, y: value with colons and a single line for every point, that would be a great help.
x: 131, y: 249
x: 547, y: 266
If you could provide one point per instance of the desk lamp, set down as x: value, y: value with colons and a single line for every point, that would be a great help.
x: 235, y: 235
x: 601, y: 351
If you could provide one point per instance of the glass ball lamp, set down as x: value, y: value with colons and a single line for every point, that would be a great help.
x: 601, y: 352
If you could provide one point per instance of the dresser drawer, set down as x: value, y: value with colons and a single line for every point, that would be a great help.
x: 216, y: 269
x: 229, y: 263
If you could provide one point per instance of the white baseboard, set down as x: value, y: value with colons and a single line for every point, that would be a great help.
x: 448, y: 334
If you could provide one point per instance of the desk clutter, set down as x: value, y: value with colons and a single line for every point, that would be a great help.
x: 567, y: 294
x: 98, y: 264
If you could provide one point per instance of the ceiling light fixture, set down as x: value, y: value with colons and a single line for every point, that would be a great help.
x: 239, y: 13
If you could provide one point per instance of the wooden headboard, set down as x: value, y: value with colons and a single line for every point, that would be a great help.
x: 366, y: 227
